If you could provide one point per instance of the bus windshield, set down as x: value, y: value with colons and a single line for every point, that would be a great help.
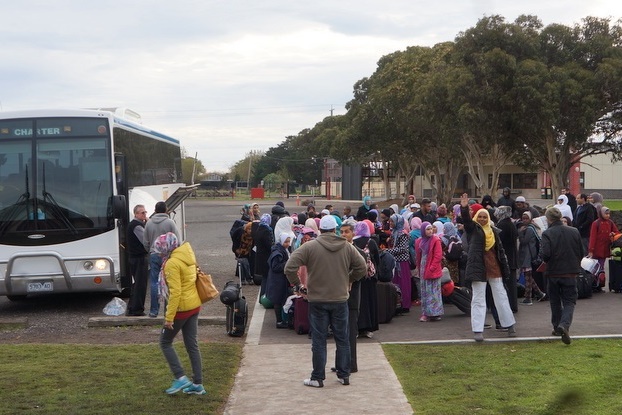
x: 55, y: 180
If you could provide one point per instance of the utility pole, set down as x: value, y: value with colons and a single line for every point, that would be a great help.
x: 194, y: 167
x: 250, y: 162
x: 331, y: 110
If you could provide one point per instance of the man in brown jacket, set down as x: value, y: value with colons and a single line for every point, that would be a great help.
x: 332, y: 265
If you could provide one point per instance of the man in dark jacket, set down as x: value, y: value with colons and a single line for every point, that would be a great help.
x: 572, y: 201
x: 586, y: 214
x: 562, y: 251
x: 138, y: 262
x: 506, y: 199
x: 278, y: 212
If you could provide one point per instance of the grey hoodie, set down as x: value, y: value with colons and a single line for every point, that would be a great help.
x: 332, y: 264
x: 157, y: 225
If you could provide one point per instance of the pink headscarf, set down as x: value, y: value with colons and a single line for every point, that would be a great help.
x: 415, y: 223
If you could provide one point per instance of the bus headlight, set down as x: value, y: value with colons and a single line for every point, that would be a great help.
x: 88, y: 265
x: 101, y: 265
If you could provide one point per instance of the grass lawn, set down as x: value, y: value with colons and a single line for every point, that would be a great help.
x: 521, y: 378
x: 613, y: 204
x: 111, y: 379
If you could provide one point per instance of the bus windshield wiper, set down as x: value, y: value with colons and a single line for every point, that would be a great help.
x: 55, y: 208
x: 14, y: 209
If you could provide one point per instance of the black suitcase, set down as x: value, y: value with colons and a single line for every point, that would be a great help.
x: 585, y: 281
x: 237, y: 312
x: 237, y: 317
x: 461, y: 298
x: 387, y: 301
x: 615, y: 276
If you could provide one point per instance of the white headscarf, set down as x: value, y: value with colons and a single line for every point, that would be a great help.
x: 284, y: 225
x: 563, y: 206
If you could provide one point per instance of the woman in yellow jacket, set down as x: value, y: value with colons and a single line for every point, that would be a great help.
x: 178, y: 288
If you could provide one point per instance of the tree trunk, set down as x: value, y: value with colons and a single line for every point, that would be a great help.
x: 385, y: 180
x: 475, y: 156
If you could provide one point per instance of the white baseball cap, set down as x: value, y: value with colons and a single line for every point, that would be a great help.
x: 328, y: 222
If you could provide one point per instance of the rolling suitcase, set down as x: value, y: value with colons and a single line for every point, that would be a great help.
x: 585, y: 281
x: 461, y: 298
x: 615, y: 276
x: 301, y: 316
x: 237, y: 311
x: 387, y: 300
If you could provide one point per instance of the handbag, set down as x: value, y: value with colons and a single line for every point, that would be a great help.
x: 205, y: 286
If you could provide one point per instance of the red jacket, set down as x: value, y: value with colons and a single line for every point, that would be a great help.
x: 433, y: 268
x: 600, y: 241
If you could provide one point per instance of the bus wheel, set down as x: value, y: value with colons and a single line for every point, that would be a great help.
x: 16, y: 297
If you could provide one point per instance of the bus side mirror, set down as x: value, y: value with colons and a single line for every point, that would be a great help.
x: 119, y: 206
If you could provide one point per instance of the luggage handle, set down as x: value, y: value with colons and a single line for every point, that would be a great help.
x: 240, y: 275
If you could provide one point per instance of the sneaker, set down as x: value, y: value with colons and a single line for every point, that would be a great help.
x: 282, y: 325
x: 344, y: 381
x: 478, y: 336
x: 565, y: 336
x: 314, y: 383
x: 499, y: 327
x: 195, y: 390
x: 542, y: 297
x: 556, y: 332
x: 511, y: 331
x: 153, y: 315
x: 423, y: 319
x: 527, y: 301
x: 487, y: 326
x: 179, y: 384
x: 435, y: 318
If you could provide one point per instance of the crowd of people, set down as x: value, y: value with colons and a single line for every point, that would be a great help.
x: 498, y: 244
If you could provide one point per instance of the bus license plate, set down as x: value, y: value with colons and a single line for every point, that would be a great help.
x: 37, y: 287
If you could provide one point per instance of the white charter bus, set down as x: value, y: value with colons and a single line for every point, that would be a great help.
x: 68, y: 182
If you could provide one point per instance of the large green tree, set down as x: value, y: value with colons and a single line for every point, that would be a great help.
x: 543, y: 94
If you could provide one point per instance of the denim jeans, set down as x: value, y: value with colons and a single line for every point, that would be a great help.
x: 155, y: 263
x: 562, y: 294
x: 321, y: 316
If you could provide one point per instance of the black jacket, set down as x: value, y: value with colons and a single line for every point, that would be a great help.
x: 475, y: 269
x: 263, y: 239
x: 562, y: 249
x: 586, y: 214
x: 278, y: 212
x: 509, y: 240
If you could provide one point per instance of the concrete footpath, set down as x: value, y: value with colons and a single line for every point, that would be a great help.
x: 270, y: 380
x: 275, y: 362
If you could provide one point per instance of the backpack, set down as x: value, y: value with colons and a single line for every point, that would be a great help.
x: 537, y: 261
x: 386, y: 267
x: 237, y: 229
x: 454, y: 248
x: 371, y: 268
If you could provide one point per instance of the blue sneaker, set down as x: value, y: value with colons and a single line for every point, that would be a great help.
x: 195, y: 390
x: 179, y: 384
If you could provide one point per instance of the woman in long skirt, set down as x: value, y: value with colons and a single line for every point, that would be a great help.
x: 429, y: 256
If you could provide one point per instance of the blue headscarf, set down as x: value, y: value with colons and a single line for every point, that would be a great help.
x: 449, y: 230
x: 266, y: 219
x: 398, y: 227
x: 365, y: 199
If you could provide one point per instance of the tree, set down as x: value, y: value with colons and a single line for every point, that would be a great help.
x: 541, y: 94
x: 190, y: 165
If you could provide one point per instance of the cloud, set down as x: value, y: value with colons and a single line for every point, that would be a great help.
x: 227, y: 77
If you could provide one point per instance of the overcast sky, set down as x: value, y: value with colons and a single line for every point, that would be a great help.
x: 227, y: 77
